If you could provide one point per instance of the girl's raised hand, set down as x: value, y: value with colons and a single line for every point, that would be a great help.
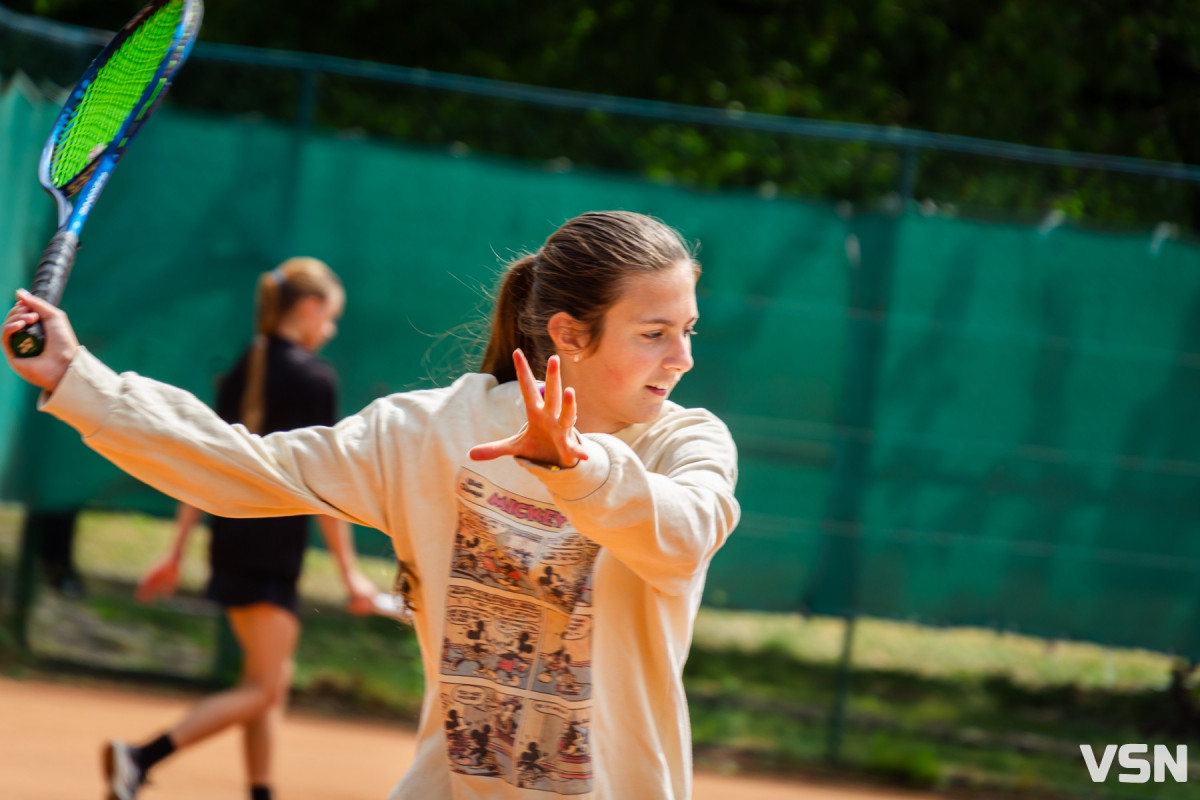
x: 46, y: 369
x: 549, y: 436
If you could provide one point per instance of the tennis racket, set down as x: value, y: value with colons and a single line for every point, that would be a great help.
x: 111, y: 102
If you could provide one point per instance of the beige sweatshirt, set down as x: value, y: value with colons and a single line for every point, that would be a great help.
x: 554, y: 608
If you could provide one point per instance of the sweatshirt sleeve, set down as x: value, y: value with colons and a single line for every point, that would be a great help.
x: 663, y: 518
x: 172, y: 441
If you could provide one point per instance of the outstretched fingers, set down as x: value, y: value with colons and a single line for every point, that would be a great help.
x: 529, y: 387
x: 571, y: 441
x: 554, y: 394
x: 570, y: 409
x: 549, y: 435
x: 491, y: 450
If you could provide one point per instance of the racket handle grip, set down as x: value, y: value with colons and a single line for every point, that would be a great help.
x: 48, y: 284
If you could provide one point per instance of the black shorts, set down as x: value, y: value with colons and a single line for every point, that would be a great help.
x: 232, y: 589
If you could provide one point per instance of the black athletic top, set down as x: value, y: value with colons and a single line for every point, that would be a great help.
x: 300, y: 391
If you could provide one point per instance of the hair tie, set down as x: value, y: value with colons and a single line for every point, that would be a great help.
x: 278, y: 277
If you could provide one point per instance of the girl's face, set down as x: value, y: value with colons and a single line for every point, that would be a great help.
x: 644, y: 350
x: 317, y: 318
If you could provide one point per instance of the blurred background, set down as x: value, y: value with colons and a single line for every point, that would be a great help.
x: 950, y: 311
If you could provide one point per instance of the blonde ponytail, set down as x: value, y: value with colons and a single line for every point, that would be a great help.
x: 278, y: 290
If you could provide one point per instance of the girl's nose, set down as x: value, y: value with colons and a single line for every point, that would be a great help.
x: 680, y: 357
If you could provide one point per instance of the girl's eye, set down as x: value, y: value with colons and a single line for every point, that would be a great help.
x: 655, y: 335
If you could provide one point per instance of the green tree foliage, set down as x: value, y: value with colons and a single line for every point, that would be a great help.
x: 1114, y: 77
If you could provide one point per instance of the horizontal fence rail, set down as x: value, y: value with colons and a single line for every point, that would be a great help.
x: 565, y: 99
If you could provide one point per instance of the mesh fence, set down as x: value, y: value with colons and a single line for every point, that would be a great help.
x: 939, y: 418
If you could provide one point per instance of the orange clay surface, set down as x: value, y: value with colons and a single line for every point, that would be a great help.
x: 51, y: 736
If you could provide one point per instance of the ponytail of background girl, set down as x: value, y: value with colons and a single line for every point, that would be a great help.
x: 278, y: 291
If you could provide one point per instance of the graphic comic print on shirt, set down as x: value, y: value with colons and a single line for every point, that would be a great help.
x: 516, y: 684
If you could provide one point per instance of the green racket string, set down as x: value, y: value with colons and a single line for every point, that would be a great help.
x: 114, y: 93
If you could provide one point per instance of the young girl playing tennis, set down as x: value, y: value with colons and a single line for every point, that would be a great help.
x: 482, y: 486
x: 277, y: 384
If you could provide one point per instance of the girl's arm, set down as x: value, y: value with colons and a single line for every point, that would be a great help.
x: 666, y: 519
x: 167, y: 438
x: 160, y: 580
x: 663, y: 518
x: 340, y: 542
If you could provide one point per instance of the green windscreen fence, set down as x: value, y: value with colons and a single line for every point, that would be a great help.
x: 939, y: 419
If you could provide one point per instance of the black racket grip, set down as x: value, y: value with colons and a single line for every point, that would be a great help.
x: 48, y: 284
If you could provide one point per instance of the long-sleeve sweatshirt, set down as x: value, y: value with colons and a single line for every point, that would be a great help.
x: 554, y: 607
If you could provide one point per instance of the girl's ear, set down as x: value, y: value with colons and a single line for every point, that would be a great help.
x: 570, y: 336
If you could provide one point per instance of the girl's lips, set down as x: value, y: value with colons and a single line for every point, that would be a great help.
x: 657, y: 392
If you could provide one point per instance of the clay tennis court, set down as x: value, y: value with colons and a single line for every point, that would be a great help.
x: 50, y: 738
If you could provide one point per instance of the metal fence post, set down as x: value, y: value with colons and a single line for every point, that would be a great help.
x: 871, y: 262
x: 908, y: 174
x: 306, y: 110
x: 841, y: 693
x: 25, y: 580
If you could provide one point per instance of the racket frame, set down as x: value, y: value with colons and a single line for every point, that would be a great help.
x: 54, y: 267
x: 90, y: 180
